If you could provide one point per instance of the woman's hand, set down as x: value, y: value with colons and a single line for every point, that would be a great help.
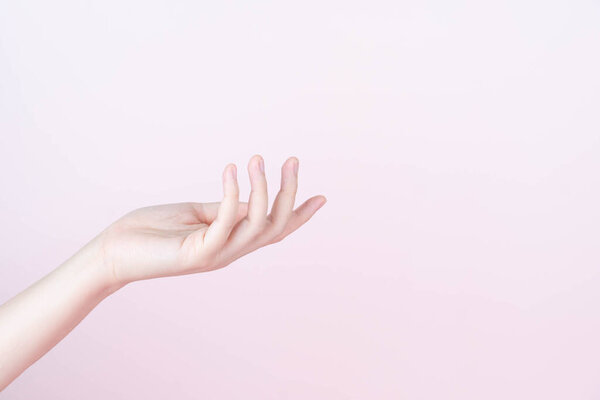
x: 171, y: 239
x: 185, y: 238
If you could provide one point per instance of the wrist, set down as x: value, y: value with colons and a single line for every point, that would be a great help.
x: 93, y: 263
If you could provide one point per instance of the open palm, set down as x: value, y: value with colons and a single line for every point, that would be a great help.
x: 183, y: 238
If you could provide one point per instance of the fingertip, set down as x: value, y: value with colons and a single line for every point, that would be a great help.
x: 295, y: 163
x: 258, y: 162
x: 319, y: 201
x: 322, y: 200
x: 230, y: 183
x: 230, y: 171
x: 290, y: 162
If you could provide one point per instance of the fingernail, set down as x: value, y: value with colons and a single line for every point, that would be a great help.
x: 232, y: 172
x: 296, y: 167
x: 261, y: 164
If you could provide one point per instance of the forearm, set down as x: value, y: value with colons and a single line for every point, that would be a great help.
x: 38, y: 318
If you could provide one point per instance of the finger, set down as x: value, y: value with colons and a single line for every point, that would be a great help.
x: 218, y: 231
x: 242, y: 211
x: 301, y: 215
x: 283, y: 205
x: 208, y: 211
x: 258, y: 203
x: 258, y: 206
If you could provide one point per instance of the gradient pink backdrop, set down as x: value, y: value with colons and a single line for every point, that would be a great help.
x: 458, y: 144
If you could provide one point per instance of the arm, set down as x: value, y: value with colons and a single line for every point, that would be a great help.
x: 35, y: 320
x: 151, y: 242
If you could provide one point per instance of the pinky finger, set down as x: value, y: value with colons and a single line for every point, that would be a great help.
x: 301, y: 215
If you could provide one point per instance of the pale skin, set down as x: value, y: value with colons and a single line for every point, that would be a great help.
x: 151, y: 242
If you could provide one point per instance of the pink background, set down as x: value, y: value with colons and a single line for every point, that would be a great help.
x: 458, y: 144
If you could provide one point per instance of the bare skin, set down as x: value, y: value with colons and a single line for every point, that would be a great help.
x: 151, y: 242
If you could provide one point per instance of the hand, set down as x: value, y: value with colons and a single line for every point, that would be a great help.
x: 185, y: 238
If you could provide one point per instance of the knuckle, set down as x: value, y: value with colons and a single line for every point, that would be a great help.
x: 232, y: 195
x: 290, y: 190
